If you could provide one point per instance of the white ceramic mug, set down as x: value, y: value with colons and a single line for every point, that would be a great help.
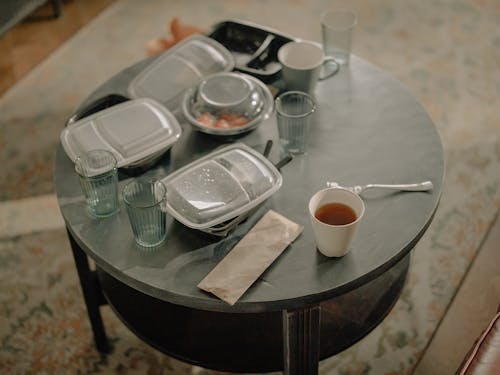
x: 302, y: 63
x: 334, y: 240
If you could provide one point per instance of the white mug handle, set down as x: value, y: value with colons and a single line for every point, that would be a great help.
x: 327, y: 60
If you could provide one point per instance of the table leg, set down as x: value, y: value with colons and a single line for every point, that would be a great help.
x: 301, y: 334
x: 57, y: 8
x: 92, y: 295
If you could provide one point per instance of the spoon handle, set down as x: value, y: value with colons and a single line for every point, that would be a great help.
x: 422, y: 186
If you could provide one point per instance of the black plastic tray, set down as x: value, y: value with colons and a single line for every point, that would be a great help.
x: 254, y: 47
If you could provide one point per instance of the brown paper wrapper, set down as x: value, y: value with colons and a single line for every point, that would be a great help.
x: 251, y: 257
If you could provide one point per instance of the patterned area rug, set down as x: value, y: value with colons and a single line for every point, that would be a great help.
x: 445, y: 51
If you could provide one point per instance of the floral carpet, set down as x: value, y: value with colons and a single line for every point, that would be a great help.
x: 445, y: 51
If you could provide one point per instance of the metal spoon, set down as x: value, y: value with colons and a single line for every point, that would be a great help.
x: 422, y: 186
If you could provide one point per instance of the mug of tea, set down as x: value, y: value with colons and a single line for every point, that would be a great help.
x: 335, y: 214
x: 302, y: 65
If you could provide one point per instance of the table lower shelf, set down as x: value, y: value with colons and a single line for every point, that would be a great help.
x: 249, y: 342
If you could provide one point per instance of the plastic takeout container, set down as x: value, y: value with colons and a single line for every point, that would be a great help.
x: 227, y: 104
x: 220, y: 186
x: 223, y: 229
x: 135, y: 131
x: 180, y: 68
x: 254, y: 47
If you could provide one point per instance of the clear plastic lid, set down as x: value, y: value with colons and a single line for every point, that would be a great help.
x: 132, y: 131
x: 227, y: 104
x: 222, y: 185
x: 180, y: 68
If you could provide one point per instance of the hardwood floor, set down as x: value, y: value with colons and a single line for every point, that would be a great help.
x: 474, y: 305
x: 29, y: 42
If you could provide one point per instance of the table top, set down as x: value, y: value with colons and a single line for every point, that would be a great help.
x: 368, y: 129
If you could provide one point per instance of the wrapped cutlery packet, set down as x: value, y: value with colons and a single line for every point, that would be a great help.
x: 230, y: 279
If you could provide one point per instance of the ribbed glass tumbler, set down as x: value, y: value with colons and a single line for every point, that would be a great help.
x: 146, y: 201
x: 99, y: 181
x: 294, y: 111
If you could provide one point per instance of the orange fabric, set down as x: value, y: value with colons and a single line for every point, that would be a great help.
x: 178, y: 31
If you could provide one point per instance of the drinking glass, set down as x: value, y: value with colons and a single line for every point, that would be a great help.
x: 294, y: 112
x: 99, y: 181
x: 145, y: 200
x: 336, y: 29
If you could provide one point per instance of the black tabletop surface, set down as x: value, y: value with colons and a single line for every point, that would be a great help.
x: 368, y: 129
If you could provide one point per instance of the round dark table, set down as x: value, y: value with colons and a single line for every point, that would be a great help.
x: 305, y: 307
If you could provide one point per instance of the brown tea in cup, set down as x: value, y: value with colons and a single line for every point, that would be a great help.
x: 335, y: 214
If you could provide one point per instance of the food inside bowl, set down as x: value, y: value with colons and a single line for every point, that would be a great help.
x: 222, y: 121
x: 227, y: 103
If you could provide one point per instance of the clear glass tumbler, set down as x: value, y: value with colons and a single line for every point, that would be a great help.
x: 294, y: 112
x: 145, y: 201
x: 99, y: 181
x: 336, y: 29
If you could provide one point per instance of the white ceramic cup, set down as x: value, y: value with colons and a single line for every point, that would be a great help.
x: 302, y: 64
x: 334, y: 240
